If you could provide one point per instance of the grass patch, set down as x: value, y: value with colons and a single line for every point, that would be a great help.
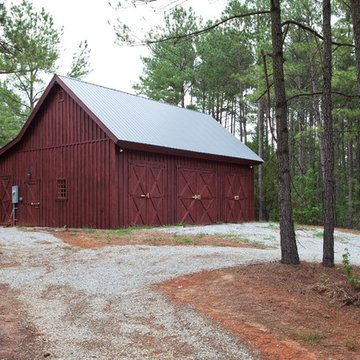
x: 67, y: 247
x: 273, y: 226
x: 120, y: 232
x: 227, y: 235
x: 341, y: 240
x: 215, y: 243
x: 155, y: 241
x: 352, y: 341
x: 257, y: 244
x: 184, y: 240
x: 271, y: 237
x: 319, y: 234
x: 88, y: 230
x: 310, y: 337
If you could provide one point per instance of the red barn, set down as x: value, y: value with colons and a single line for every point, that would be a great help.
x: 89, y: 156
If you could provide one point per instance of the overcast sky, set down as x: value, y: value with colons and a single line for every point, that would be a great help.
x: 113, y: 66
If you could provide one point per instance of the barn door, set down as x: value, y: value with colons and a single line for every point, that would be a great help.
x: 196, y: 196
x: 31, y: 203
x: 5, y: 199
x: 236, y: 197
x: 147, y: 194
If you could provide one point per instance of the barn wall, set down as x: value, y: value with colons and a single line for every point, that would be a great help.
x: 172, y: 164
x: 62, y: 142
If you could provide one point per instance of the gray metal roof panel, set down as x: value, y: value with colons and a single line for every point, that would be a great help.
x: 140, y: 120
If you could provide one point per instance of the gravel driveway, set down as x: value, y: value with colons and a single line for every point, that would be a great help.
x: 101, y: 303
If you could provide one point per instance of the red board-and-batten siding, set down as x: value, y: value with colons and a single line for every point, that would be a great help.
x: 64, y: 142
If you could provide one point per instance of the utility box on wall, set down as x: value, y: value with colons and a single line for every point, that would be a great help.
x: 15, y: 194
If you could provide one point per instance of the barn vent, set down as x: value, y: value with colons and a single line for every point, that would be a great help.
x: 60, y: 96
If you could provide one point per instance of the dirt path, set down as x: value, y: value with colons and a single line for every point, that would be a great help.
x: 18, y: 337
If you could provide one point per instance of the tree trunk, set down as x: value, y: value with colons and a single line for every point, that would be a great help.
x: 355, y: 13
x: 329, y: 209
x: 312, y: 142
x: 350, y: 183
x: 289, y: 252
x: 260, y: 118
x: 244, y: 122
x: 302, y: 155
x: 317, y: 115
x: 292, y: 146
x: 337, y: 160
x: 357, y: 177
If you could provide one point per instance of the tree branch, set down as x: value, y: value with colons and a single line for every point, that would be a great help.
x: 264, y: 93
x: 320, y: 93
x: 198, y: 32
x: 268, y: 94
x: 306, y: 28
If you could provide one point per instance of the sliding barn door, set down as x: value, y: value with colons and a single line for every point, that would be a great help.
x: 5, y: 200
x: 147, y: 194
x: 30, y: 212
x: 196, y: 196
x: 237, y: 202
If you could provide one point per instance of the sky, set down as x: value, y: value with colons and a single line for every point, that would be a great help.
x: 112, y: 65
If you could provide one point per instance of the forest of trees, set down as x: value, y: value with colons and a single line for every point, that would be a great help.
x: 228, y: 72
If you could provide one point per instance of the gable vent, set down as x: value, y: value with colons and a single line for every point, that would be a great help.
x: 60, y: 96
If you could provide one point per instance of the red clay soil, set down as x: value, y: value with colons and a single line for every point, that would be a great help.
x: 18, y: 338
x: 285, y: 312
x: 101, y: 238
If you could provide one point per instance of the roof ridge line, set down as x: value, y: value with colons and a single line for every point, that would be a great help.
x: 135, y: 95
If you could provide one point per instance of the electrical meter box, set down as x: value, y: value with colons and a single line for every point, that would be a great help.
x: 15, y: 194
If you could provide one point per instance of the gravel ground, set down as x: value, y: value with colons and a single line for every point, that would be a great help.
x: 101, y: 303
x: 309, y: 239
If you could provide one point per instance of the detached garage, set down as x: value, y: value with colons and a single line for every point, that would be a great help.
x: 90, y: 156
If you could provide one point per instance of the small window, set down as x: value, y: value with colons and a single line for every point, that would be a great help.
x: 60, y: 96
x: 61, y: 191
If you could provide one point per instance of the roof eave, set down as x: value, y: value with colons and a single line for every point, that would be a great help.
x: 186, y: 153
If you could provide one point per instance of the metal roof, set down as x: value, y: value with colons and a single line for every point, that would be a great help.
x: 140, y: 120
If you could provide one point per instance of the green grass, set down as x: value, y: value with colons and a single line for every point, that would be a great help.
x: 352, y: 341
x: 184, y: 240
x: 120, y: 232
x: 155, y: 241
x: 227, y: 235
x: 341, y: 240
x: 215, y: 243
x: 126, y: 231
x: 274, y: 226
x: 88, y: 230
x: 271, y: 237
x: 311, y: 337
